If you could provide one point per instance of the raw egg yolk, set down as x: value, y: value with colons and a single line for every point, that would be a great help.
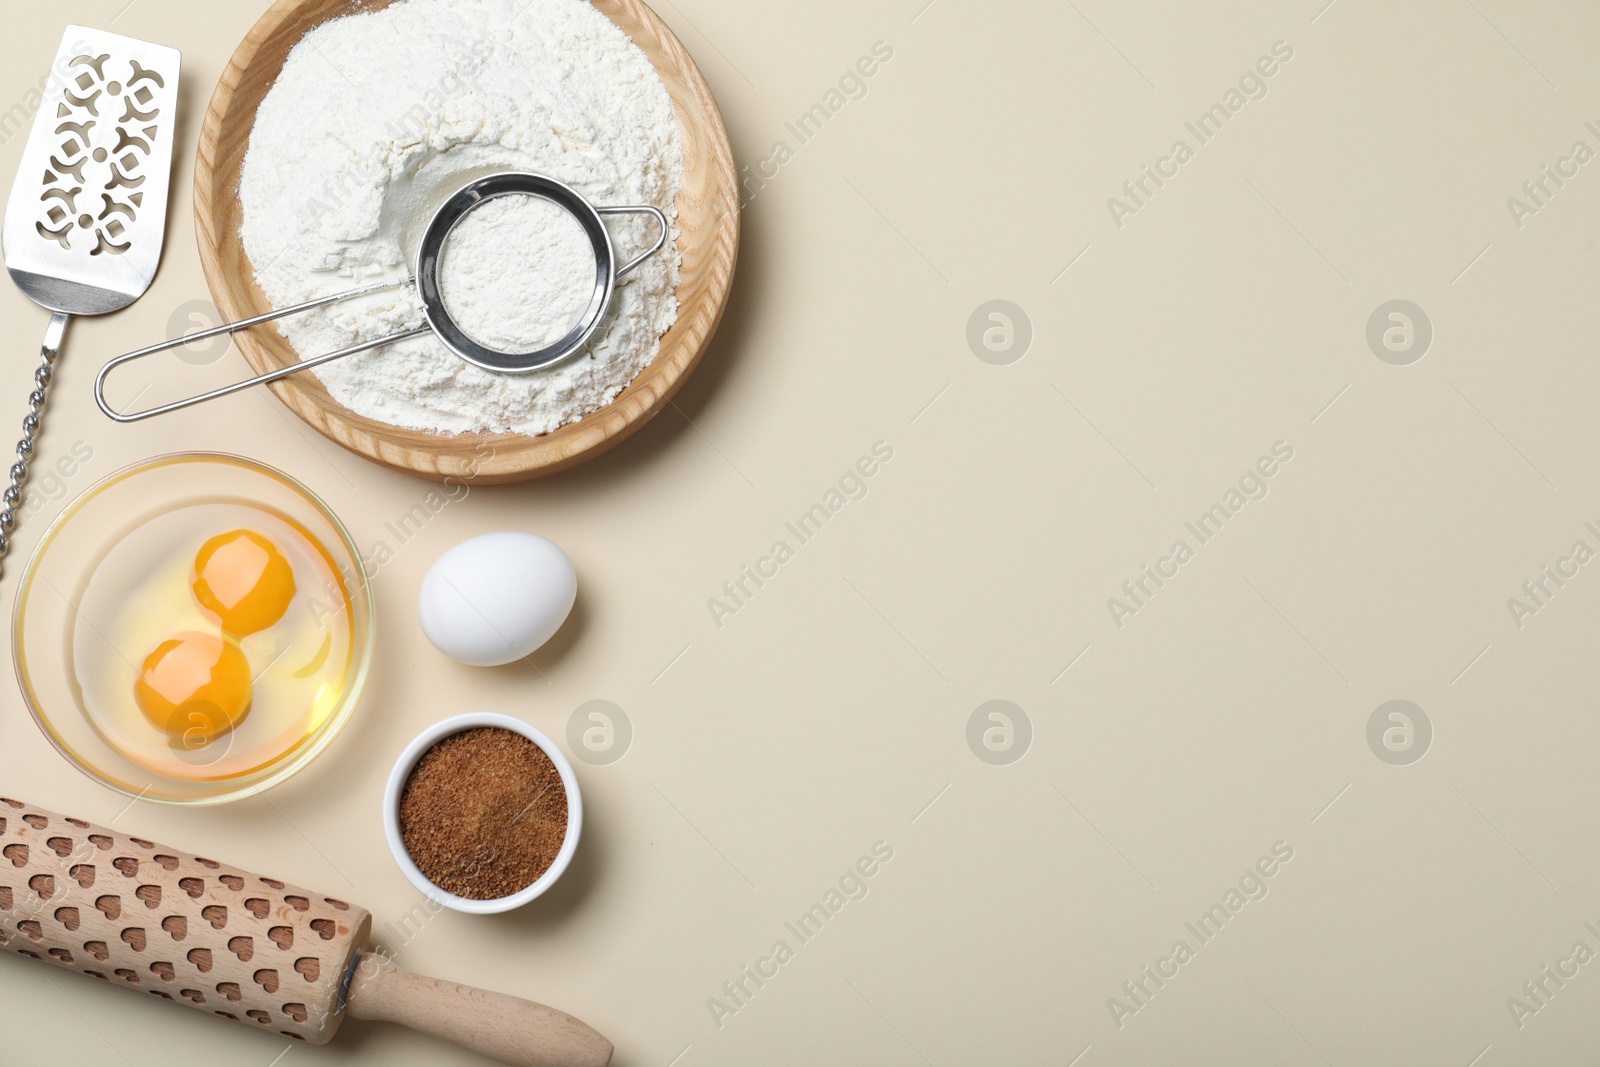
x: 195, y: 687
x: 243, y: 580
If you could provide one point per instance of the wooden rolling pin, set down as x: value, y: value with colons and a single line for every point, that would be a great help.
x: 255, y: 950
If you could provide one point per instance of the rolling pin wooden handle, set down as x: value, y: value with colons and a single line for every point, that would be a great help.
x: 503, y: 1028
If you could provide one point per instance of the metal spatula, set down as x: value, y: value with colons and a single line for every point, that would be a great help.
x: 88, y: 213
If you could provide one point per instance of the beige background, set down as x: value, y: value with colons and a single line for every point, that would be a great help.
x: 831, y: 713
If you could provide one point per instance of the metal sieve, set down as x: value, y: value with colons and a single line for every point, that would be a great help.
x: 426, y: 279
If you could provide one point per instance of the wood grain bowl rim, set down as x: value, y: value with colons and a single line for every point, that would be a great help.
x: 709, y: 257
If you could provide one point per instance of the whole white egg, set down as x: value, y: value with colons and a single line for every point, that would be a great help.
x: 497, y: 598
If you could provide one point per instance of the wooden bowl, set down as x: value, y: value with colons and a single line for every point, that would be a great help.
x: 708, y: 224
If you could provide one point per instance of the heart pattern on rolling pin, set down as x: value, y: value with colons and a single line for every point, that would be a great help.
x: 57, y: 862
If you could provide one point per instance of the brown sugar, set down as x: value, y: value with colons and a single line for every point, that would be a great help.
x: 484, y: 813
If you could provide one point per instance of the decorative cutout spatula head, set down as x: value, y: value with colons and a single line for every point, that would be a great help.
x: 87, y: 216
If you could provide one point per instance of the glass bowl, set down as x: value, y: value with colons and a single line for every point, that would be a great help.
x: 71, y: 618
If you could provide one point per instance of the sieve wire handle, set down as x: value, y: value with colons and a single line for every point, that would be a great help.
x: 260, y: 379
x: 644, y: 209
x: 310, y: 305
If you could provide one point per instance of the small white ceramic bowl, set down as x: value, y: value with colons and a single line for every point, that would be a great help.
x: 402, y: 773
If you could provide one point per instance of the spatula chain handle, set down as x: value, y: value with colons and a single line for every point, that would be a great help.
x: 30, y: 427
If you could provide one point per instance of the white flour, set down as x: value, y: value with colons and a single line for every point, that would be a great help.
x: 517, y: 252
x: 378, y: 117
